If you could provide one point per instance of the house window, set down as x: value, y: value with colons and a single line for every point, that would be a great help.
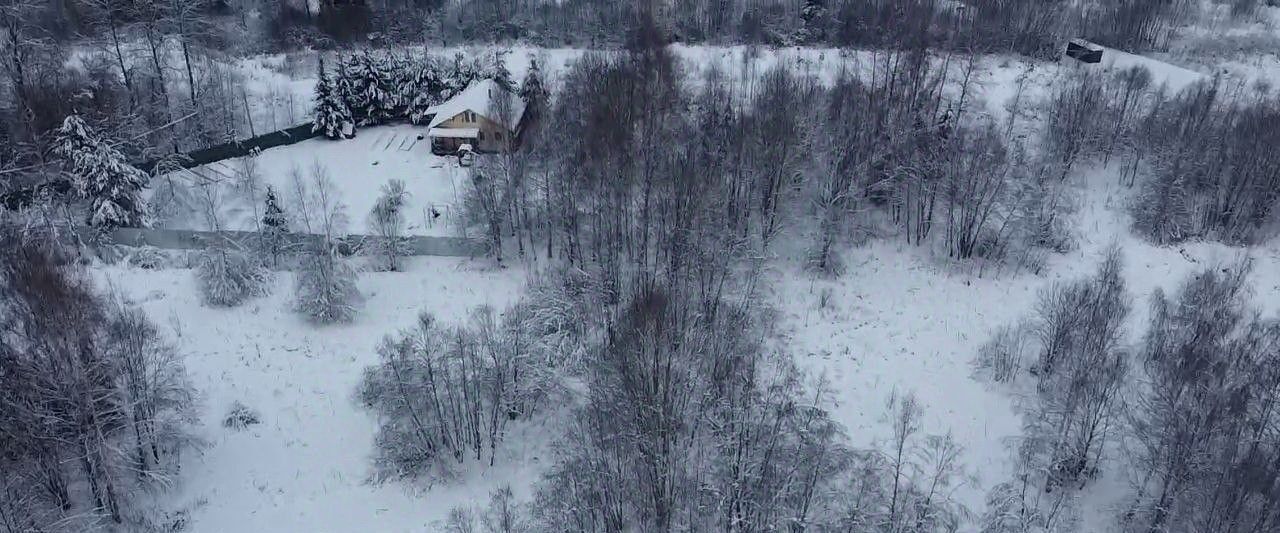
x: 482, y: 135
x: 497, y: 135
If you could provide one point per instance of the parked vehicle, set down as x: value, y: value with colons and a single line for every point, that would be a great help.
x: 466, y: 155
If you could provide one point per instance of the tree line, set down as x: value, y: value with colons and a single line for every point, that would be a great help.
x: 94, y: 403
x: 158, y: 71
x: 1185, y: 415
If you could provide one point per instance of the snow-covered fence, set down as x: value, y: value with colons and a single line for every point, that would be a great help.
x: 171, y: 239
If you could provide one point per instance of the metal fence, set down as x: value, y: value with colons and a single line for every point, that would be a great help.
x: 239, y: 148
x: 172, y: 239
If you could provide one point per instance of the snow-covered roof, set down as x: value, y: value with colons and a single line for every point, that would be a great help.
x: 454, y: 133
x: 477, y: 98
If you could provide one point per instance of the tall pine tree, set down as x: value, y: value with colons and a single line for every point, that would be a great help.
x: 426, y: 88
x: 101, y: 175
x: 332, y: 117
x: 813, y: 17
x: 368, y: 86
x: 533, y: 91
x: 273, y: 216
x: 501, y: 75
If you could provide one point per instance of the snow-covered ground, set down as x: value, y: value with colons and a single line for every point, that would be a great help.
x: 304, y: 467
x: 358, y: 168
x: 899, y: 320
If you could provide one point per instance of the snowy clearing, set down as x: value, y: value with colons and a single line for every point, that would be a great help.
x: 900, y: 322
x: 305, y: 466
x: 358, y: 167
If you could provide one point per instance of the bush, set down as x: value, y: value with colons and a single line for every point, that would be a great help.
x: 240, y: 417
x: 229, y: 277
x: 325, y: 288
x: 486, y: 369
x: 1002, y: 356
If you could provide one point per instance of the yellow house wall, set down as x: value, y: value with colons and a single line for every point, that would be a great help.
x: 491, y: 143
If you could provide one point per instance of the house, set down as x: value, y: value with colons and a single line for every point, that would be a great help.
x: 476, y: 117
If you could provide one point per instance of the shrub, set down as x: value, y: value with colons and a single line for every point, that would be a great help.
x: 229, y: 277
x: 325, y: 288
x: 240, y: 417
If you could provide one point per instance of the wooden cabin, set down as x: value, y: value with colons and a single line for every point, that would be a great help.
x: 484, y: 115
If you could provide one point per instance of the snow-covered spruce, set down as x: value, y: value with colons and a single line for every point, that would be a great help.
x: 367, y: 87
x: 424, y: 88
x: 332, y: 117
x: 275, y: 228
x: 228, y: 277
x: 100, y: 174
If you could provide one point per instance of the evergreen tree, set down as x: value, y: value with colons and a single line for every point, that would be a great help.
x: 461, y: 75
x: 533, y: 91
x: 425, y: 88
x: 501, y: 75
x: 813, y: 17
x: 344, y: 84
x: 385, y: 102
x: 372, y: 99
x: 332, y: 117
x: 101, y: 174
x: 273, y: 215
x: 275, y: 225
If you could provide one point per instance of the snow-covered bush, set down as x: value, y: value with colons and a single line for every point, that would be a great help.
x: 240, y: 416
x: 228, y: 277
x: 502, y: 515
x: 325, y: 287
x: 146, y: 257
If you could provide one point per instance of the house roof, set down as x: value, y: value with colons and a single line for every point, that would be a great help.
x: 454, y: 133
x: 477, y: 98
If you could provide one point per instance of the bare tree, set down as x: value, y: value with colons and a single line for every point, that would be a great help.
x: 325, y: 284
x: 386, y: 222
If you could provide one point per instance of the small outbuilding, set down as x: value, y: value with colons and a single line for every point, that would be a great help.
x: 1084, y: 51
x: 484, y: 115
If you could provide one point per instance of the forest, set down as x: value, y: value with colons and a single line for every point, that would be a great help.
x: 640, y: 234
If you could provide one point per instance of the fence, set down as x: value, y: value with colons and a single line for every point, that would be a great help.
x: 171, y: 239
x: 240, y: 148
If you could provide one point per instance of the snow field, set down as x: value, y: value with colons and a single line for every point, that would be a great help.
x: 305, y: 466
x: 898, y: 321
x: 358, y: 168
